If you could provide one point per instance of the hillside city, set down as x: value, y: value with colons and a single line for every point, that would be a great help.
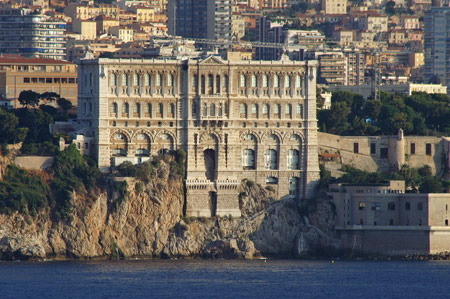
x: 337, y: 107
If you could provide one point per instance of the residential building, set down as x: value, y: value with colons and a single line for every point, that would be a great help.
x: 86, y: 28
x: 211, y: 19
x: 123, y: 33
x: 235, y: 119
x: 334, y: 7
x: 29, y: 33
x: 373, y: 23
x: 104, y: 23
x: 437, y: 46
x: 38, y: 74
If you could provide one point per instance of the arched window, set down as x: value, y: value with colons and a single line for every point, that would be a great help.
x: 299, y: 110
x: 243, y: 110
x: 253, y: 80
x: 147, y: 80
x: 124, y: 79
x: 203, y: 84
x: 276, y: 110
x: 265, y: 82
x: 391, y: 206
x: 135, y: 80
x: 220, y: 110
x: 265, y: 110
x: 114, y: 109
x: 217, y: 84
x: 158, y: 80
x: 149, y: 110
x: 298, y: 81
x: 271, y: 159
x: 170, y: 80
x: 138, y: 109
x: 112, y: 79
x: 419, y: 206
x: 407, y: 206
x: 287, y: 81
x: 293, y: 187
x: 288, y: 110
x: 293, y: 160
x: 205, y: 110
x: 127, y: 109
x: 212, y: 110
x: 255, y: 110
x: 276, y: 81
x: 161, y: 109
x: 172, y: 110
x: 248, y: 159
x: 243, y: 81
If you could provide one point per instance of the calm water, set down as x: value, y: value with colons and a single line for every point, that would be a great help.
x: 229, y: 279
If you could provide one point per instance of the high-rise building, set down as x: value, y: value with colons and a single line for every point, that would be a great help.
x: 235, y: 119
x: 211, y: 19
x: 437, y: 45
x: 31, y: 34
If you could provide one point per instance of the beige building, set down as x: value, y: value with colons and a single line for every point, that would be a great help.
x: 104, y: 23
x: 86, y: 28
x: 236, y: 120
x: 334, y: 7
x: 143, y: 14
x: 238, y: 25
x: 373, y: 23
x: 38, y: 74
x: 84, y: 12
x: 386, y: 220
x: 125, y: 34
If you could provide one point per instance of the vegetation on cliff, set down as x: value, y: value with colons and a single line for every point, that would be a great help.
x: 416, y: 179
x: 418, y: 114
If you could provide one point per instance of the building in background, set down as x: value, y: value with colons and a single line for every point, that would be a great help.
x: 211, y: 19
x: 29, y: 33
x: 437, y: 46
x: 38, y: 74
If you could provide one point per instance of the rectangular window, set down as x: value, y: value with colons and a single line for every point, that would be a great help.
x: 362, y: 206
x: 413, y: 148
x: 355, y: 147
x: 428, y: 149
x: 373, y: 148
x: 376, y: 206
x: 26, y: 80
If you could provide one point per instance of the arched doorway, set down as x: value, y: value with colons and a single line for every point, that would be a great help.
x: 210, y: 163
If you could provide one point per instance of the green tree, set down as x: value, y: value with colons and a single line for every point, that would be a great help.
x: 431, y: 184
x: 390, y: 8
x: 29, y: 98
x: 9, y: 130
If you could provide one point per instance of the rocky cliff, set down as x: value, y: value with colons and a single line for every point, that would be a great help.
x: 147, y: 221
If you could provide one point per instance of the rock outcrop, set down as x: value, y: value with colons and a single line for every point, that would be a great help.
x: 148, y: 222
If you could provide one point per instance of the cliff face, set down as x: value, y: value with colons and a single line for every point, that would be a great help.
x: 148, y: 223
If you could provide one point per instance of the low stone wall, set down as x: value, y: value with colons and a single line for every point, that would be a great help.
x: 34, y: 162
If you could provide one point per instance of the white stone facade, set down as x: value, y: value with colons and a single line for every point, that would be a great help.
x: 234, y: 119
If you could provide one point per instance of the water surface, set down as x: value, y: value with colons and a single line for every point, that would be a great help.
x: 225, y: 279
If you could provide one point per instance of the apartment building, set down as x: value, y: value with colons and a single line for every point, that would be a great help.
x: 38, y: 74
x: 29, y: 33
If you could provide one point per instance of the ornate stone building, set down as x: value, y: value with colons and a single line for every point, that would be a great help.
x: 234, y: 119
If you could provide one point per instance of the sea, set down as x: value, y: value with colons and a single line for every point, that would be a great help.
x: 225, y: 279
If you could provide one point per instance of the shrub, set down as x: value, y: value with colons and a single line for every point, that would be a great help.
x: 121, y: 188
x: 249, y: 183
x: 22, y: 191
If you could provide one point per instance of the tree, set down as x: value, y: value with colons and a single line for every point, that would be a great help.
x: 49, y: 96
x: 29, y: 98
x: 65, y: 104
x: 390, y: 8
x: 9, y: 131
x: 431, y: 184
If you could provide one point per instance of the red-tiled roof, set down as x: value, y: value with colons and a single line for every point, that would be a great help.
x: 13, y: 58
